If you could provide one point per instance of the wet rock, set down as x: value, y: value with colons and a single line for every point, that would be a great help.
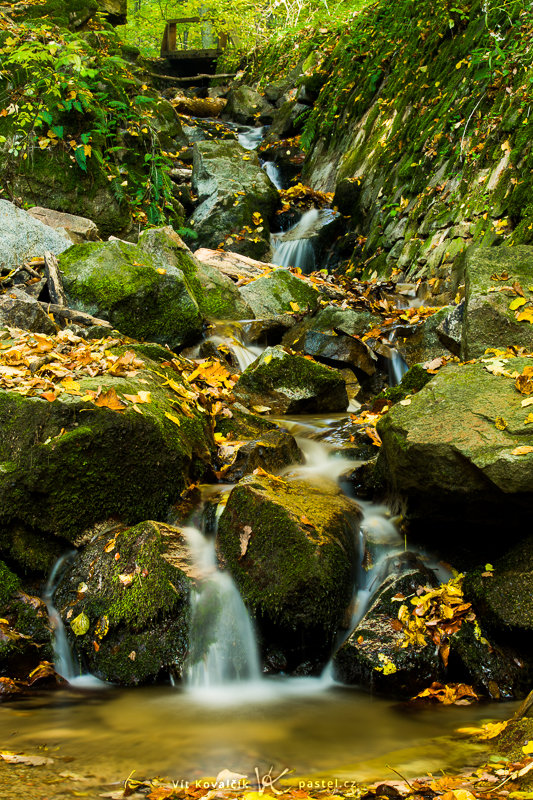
x: 25, y: 635
x: 23, y: 237
x: 20, y: 310
x: 268, y: 331
x: 291, y: 384
x: 450, y: 329
x: 77, y: 229
x: 199, y: 106
x: 68, y: 464
x: 128, y: 619
x: 337, y: 350
x: 288, y: 121
x: 246, y: 106
x: 235, y: 265
x: 141, y: 289
x: 373, y: 657
x: 297, y: 569
x: 424, y: 343
x: 232, y: 188
x: 273, y: 294
x: 450, y: 455
x: 344, y: 320
x: 273, y: 451
x: 487, y: 320
x: 243, y: 424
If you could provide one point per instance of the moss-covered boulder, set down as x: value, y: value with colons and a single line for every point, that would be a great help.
x: 125, y: 604
x: 488, y: 320
x: 503, y: 596
x: 339, y: 350
x: 292, y: 550
x: 273, y: 294
x: 88, y: 455
x: 246, y: 105
x: 352, y: 322
x: 236, y: 199
x: 141, y: 291
x: 460, y: 453
x: 272, y: 451
x: 424, y: 343
x: 291, y: 384
x: 25, y: 635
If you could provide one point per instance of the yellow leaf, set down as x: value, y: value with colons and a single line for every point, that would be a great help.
x: 102, y: 627
x: 526, y: 315
x: 527, y: 402
x: 70, y: 386
x: 268, y: 358
x: 528, y: 747
x: 174, y: 419
x: 500, y: 423
x: 80, y: 624
x: 161, y: 271
x: 294, y: 306
x: 522, y: 451
x: 517, y: 302
x: 87, y: 149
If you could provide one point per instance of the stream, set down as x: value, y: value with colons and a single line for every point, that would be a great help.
x: 226, y: 714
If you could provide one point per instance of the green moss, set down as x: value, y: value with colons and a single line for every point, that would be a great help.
x: 9, y: 584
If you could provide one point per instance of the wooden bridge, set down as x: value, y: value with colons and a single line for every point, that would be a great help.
x: 192, y: 46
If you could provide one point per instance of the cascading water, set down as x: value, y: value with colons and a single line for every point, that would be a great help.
x: 222, y: 643
x: 397, y: 364
x: 295, y: 247
x: 274, y: 173
x: 250, y: 138
x: 64, y: 663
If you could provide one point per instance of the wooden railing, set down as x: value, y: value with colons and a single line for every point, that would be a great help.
x: 191, y: 34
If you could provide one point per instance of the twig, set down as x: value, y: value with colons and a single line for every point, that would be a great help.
x: 193, y: 78
x: 55, y: 284
x: 410, y: 785
x: 74, y: 315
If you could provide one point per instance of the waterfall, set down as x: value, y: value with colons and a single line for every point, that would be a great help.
x: 250, y: 138
x: 223, y: 650
x: 397, y: 364
x: 64, y: 663
x: 274, y: 173
x: 295, y: 247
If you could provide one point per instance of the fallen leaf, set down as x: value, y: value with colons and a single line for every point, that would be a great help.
x: 30, y: 761
x: 172, y: 418
x: 111, y: 400
x: 80, y: 624
x: 522, y: 451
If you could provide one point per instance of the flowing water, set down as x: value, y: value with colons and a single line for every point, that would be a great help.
x: 295, y: 247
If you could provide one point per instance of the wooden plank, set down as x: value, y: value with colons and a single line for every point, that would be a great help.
x: 183, y: 19
x: 192, y: 78
x: 74, y: 315
x: 171, y: 36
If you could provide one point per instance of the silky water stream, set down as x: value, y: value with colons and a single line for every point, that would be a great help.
x: 226, y: 715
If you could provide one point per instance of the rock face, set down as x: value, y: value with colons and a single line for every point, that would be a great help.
x: 20, y: 310
x: 452, y: 455
x: 291, y: 548
x: 234, y: 195
x: 291, y: 384
x: 246, y: 106
x: 22, y: 237
x: 338, y: 350
x: 25, y: 635
x: 504, y: 598
x: 487, y: 320
x: 273, y: 294
x: 272, y: 451
x: 69, y: 464
x: 135, y: 608
x: 77, y: 229
x: 141, y: 289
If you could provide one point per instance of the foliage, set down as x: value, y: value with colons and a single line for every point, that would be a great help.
x: 76, y: 98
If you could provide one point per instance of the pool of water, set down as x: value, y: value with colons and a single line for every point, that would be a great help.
x: 314, y: 730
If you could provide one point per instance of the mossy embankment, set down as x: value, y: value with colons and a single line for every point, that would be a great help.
x: 422, y: 127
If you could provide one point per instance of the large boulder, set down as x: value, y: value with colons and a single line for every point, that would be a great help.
x: 23, y: 237
x: 291, y: 547
x: 77, y: 229
x: 272, y: 451
x: 124, y: 602
x: 339, y: 350
x: 291, y: 384
x: 246, y: 105
x: 78, y: 451
x: 488, y: 320
x: 20, y: 310
x: 141, y: 289
x: 278, y: 292
x: 235, y: 196
x: 460, y: 452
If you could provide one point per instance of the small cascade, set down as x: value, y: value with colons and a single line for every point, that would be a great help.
x: 63, y: 660
x: 222, y: 646
x: 229, y: 337
x: 250, y: 138
x: 274, y: 173
x: 295, y: 247
x: 397, y: 364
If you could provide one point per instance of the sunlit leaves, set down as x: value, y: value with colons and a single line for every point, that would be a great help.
x: 80, y: 624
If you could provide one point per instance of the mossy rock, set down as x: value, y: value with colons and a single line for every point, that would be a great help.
x: 424, y: 343
x: 504, y: 596
x: 273, y: 451
x: 142, y: 294
x: 68, y: 464
x: 69, y: 13
x: 246, y: 105
x: 488, y: 321
x: 414, y: 379
x: 125, y: 605
x: 236, y: 199
x: 273, y: 294
x: 291, y: 384
x: 449, y: 454
x: 297, y: 572
x: 243, y: 424
x: 25, y: 635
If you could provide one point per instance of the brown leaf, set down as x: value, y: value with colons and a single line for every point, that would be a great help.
x: 111, y: 400
x: 244, y: 539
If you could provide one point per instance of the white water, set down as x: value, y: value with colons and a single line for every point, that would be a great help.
x: 250, y: 138
x: 294, y: 248
x: 64, y: 663
x: 397, y: 367
x: 273, y: 172
x: 222, y: 644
